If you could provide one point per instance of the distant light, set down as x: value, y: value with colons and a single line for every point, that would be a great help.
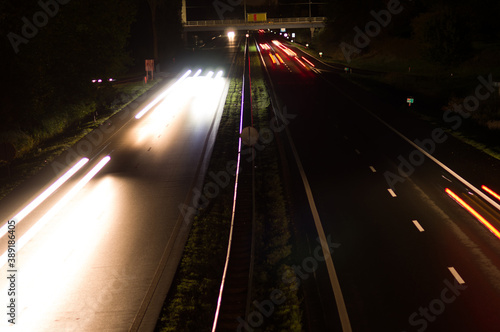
x: 230, y: 35
x: 111, y: 80
x: 99, y: 81
x: 307, y: 45
x: 247, y: 35
x: 320, y: 54
x: 93, y: 81
x: 293, y: 34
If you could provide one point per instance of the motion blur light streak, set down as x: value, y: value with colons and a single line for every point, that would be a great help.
x: 161, y: 96
x: 491, y: 192
x: 219, y: 74
x: 198, y: 72
x: 473, y: 212
x: 303, y: 64
x: 284, y: 48
x: 55, y: 209
x: 43, y: 196
x: 67, y: 248
x: 309, y: 62
x: 207, y: 97
x: 203, y: 92
x: 279, y: 58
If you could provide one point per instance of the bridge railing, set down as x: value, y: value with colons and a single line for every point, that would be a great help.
x: 269, y: 20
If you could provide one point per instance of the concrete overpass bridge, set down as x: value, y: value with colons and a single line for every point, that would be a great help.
x: 270, y: 23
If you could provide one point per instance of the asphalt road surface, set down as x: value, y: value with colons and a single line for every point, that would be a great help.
x: 99, y: 253
x: 407, y: 259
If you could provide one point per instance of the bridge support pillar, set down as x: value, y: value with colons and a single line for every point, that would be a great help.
x: 312, y: 33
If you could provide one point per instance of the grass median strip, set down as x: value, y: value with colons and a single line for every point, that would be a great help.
x: 191, y: 302
x: 192, y: 299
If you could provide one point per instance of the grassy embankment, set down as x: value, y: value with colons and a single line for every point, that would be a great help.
x: 38, y: 146
x: 435, y: 88
x: 191, y: 303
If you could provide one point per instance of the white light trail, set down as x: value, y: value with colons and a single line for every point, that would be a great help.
x: 43, y: 196
x: 198, y: 72
x: 56, y: 208
x: 161, y: 96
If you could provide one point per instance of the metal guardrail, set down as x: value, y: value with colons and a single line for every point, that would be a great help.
x: 268, y: 21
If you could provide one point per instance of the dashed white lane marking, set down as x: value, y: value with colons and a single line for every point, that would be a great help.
x: 419, y: 227
x: 456, y: 275
x: 373, y: 169
x: 393, y: 194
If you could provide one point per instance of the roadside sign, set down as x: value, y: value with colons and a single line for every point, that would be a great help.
x: 150, y: 67
x: 249, y: 136
x: 410, y: 100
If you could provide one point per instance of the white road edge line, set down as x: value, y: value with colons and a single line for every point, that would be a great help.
x: 393, y: 194
x: 443, y: 166
x: 456, y: 275
x: 337, y: 291
x: 419, y: 227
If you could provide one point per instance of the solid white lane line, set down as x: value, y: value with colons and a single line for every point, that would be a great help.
x: 420, y: 228
x: 456, y: 275
x: 334, y: 281
x: 393, y: 194
x: 373, y: 169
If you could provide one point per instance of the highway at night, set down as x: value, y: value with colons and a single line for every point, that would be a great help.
x: 98, y: 249
x: 409, y: 255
